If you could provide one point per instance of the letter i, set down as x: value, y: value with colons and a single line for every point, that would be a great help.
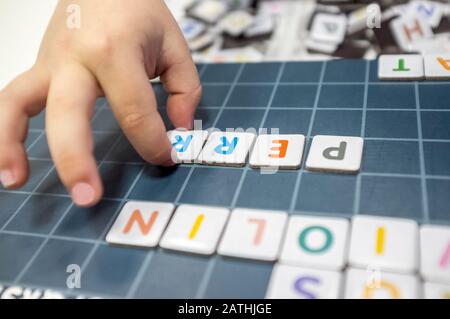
x: 380, y: 241
x: 196, y: 227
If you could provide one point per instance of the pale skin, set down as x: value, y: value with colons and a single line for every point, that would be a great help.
x: 119, y: 46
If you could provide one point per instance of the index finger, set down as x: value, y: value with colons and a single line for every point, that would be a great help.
x: 129, y: 91
x: 180, y: 78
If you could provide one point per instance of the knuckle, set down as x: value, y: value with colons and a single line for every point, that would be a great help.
x: 98, y: 50
x: 103, y: 46
x: 134, y: 120
x: 60, y: 105
x: 67, y: 163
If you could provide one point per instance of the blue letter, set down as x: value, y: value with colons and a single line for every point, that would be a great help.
x: 428, y: 11
x: 180, y: 145
x: 226, y: 147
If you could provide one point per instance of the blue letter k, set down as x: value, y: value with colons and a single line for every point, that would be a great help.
x: 226, y: 147
x: 180, y: 145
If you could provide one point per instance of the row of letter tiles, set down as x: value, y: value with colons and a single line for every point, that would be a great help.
x: 292, y: 282
x: 414, y: 67
x: 327, y: 153
x: 389, y: 244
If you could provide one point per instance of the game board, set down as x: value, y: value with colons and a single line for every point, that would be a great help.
x: 405, y: 173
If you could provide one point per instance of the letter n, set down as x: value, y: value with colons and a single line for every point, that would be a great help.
x: 136, y: 217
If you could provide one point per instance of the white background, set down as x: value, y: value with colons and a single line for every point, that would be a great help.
x: 22, y: 24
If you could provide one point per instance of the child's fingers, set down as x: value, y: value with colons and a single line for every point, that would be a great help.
x: 72, y: 95
x: 180, y: 78
x: 130, y: 94
x: 23, y: 97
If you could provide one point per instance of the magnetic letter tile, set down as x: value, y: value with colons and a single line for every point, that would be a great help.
x: 400, y: 67
x: 329, y: 27
x: 253, y: 234
x: 408, y: 29
x: 375, y: 284
x: 435, y: 253
x: 436, y: 291
x: 387, y: 243
x: 191, y: 28
x: 227, y: 148
x: 195, y: 229
x: 140, y: 223
x: 236, y: 22
x: 324, y: 47
x: 430, y: 11
x: 335, y: 154
x: 186, y: 144
x: 280, y: 151
x: 437, y: 67
x: 316, y: 242
x: 209, y: 10
x: 289, y: 282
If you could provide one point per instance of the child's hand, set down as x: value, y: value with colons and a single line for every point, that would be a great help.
x: 118, y: 47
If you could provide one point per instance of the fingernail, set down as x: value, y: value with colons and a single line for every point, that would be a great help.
x: 7, y: 178
x: 83, y: 194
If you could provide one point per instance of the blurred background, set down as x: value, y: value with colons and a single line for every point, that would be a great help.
x: 261, y: 30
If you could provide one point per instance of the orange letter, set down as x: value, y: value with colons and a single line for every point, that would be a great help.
x: 260, y: 224
x: 410, y: 31
x: 444, y: 63
x: 137, y: 217
x: 368, y: 291
x: 281, y: 149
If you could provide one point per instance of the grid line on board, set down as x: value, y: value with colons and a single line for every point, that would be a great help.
x: 29, y: 193
x: 212, y: 262
x: 423, y: 180
x: 329, y: 83
x: 357, y: 199
x: 209, y: 270
x: 48, y: 236
x: 97, y: 243
x: 373, y: 174
x: 308, y: 138
x: 54, y: 228
x: 140, y: 274
x: 43, y: 178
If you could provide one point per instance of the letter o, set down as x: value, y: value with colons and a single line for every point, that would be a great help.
x: 304, y: 234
